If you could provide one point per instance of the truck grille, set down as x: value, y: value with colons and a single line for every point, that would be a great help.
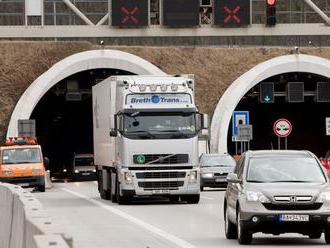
x: 166, y: 174
x: 148, y: 168
x: 160, y: 185
x: 313, y: 206
x: 172, y: 158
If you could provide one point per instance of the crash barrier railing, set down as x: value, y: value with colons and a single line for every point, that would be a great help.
x: 24, y: 223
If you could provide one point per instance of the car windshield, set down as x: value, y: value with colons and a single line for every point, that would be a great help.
x: 223, y: 161
x: 21, y: 156
x: 84, y: 161
x: 285, y: 169
x: 168, y: 125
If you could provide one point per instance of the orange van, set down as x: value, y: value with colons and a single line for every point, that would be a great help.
x: 22, y: 163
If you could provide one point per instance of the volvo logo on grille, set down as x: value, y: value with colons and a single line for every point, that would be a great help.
x: 293, y: 199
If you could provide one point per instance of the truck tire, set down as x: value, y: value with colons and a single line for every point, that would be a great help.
x: 105, y: 194
x: 327, y: 235
x: 191, y: 199
x: 315, y: 235
x: 41, y: 188
x: 120, y: 199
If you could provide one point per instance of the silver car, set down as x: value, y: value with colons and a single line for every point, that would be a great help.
x: 215, y: 169
x: 277, y: 192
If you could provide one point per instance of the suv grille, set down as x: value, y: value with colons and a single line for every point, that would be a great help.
x: 160, y: 185
x: 313, y: 206
x: 169, y: 174
x: 171, y: 158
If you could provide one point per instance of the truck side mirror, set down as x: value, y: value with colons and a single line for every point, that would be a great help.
x: 113, y: 133
x: 205, y: 121
x: 46, y: 162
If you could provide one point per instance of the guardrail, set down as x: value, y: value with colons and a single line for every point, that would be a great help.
x: 24, y: 223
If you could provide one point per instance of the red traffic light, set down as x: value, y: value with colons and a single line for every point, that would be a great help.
x: 271, y: 2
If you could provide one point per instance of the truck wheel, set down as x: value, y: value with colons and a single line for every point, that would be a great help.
x: 120, y: 199
x: 191, y: 199
x: 230, y: 228
x: 41, y: 188
x: 315, y: 235
x: 243, y: 234
x: 105, y: 194
x: 327, y: 235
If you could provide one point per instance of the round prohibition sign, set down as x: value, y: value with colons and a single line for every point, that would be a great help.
x: 282, y: 128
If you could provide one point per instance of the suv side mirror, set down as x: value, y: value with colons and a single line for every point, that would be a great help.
x: 233, y: 178
x: 113, y: 133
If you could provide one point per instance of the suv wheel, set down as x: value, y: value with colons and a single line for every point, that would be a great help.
x: 243, y: 234
x: 327, y: 235
x: 230, y: 228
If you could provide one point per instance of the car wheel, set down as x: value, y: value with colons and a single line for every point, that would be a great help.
x: 191, y: 199
x: 327, y: 235
x: 243, y: 234
x: 41, y: 188
x: 230, y: 228
x: 174, y: 198
x: 202, y: 188
x: 316, y: 235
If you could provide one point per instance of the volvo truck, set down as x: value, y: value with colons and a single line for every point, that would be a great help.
x: 146, y: 137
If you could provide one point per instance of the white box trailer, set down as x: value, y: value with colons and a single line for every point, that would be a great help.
x: 146, y: 137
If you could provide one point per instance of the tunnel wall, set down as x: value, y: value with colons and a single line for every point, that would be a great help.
x: 23, y: 62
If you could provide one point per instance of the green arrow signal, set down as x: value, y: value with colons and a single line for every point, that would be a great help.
x: 267, y: 98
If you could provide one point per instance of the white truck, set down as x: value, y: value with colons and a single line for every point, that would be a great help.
x: 146, y: 137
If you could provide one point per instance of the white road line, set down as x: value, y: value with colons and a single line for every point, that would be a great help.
x: 207, y: 198
x: 175, y: 240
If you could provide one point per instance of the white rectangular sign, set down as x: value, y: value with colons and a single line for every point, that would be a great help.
x: 327, y: 126
x: 33, y: 7
x: 158, y: 99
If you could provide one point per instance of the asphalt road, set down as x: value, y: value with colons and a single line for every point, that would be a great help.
x: 95, y: 223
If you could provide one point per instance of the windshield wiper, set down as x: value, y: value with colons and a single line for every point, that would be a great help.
x: 256, y: 181
x: 175, y: 131
x: 143, y: 132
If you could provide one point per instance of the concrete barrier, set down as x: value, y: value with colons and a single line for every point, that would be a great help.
x: 24, y: 223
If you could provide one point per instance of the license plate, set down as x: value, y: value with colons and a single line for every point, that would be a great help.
x: 294, y: 218
x: 86, y: 174
x: 23, y: 184
x: 220, y: 180
x: 161, y: 191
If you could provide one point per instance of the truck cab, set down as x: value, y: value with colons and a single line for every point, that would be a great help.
x: 22, y: 163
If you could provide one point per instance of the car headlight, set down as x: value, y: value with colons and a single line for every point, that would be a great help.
x: 128, y: 177
x: 76, y: 171
x: 193, y: 177
x: 207, y: 175
x: 253, y: 196
x: 324, y: 197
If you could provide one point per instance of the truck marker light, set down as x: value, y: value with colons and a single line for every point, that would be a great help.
x: 163, y: 87
x: 142, y: 87
x: 255, y: 219
x: 174, y: 87
x: 153, y: 88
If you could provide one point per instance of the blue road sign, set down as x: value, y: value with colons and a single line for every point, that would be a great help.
x: 239, y: 118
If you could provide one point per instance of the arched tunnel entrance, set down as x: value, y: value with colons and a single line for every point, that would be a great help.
x: 308, y: 118
x: 64, y: 120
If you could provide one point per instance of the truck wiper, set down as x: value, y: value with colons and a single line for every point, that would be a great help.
x: 175, y: 131
x: 143, y: 132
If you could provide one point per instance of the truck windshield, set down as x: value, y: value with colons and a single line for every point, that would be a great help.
x: 159, y: 125
x: 21, y: 156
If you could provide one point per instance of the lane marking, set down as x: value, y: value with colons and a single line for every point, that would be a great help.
x: 170, y: 237
x: 207, y: 198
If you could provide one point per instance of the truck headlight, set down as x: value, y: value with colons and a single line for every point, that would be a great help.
x: 324, y: 197
x: 128, y: 177
x: 193, y: 177
x: 253, y: 196
x: 7, y: 172
x: 37, y: 171
x: 207, y: 175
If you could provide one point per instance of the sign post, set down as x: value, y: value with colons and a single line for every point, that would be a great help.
x: 282, y: 128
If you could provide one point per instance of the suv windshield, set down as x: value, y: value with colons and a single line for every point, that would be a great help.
x: 21, y: 156
x: 223, y: 161
x: 285, y: 169
x: 159, y: 125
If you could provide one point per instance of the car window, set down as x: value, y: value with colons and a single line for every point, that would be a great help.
x: 218, y: 160
x: 285, y: 169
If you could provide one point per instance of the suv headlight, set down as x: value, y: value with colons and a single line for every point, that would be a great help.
x: 324, y: 197
x: 253, y: 196
x: 207, y: 175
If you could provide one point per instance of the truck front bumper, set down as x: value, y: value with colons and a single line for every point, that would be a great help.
x: 30, y: 181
